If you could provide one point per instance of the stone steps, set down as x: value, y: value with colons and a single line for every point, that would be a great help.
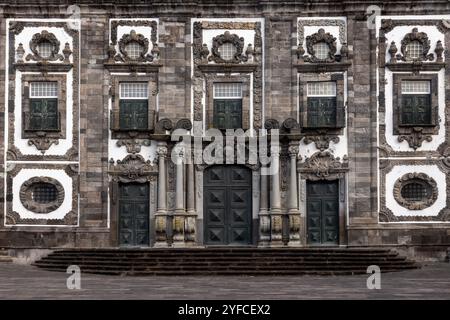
x: 4, y: 257
x: 226, y: 261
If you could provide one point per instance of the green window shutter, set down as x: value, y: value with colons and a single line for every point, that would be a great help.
x: 133, y: 114
x: 340, y: 114
x: 321, y: 112
x: 416, y: 109
x: 227, y: 113
x: 44, y: 114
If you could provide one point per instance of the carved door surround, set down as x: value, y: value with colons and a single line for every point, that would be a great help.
x: 206, y: 62
x: 324, y: 166
x: 132, y: 169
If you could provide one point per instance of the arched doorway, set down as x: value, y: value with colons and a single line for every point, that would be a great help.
x: 227, y: 205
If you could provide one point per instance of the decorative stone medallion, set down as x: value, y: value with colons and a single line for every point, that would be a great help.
x: 41, y: 194
x: 45, y: 47
x: 415, y: 191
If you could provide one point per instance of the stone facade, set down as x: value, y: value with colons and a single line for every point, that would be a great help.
x: 367, y: 153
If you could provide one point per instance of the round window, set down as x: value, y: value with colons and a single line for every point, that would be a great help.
x: 321, y: 50
x: 45, y: 49
x: 42, y: 194
x: 227, y: 51
x: 414, y: 50
x: 415, y: 191
x: 134, y: 50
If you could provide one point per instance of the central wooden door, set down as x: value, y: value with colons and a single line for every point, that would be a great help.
x: 134, y: 214
x: 323, y: 212
x: 227, y: 205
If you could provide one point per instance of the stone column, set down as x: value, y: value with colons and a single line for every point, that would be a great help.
x: 180, y: 212
x: 293, y: 211
x: 189, y: 224
x: 276, y: 221
x: 264, y: 217
x: 161, y: 213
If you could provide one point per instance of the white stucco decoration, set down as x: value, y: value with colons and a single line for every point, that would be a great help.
x: 431, y: 170
x: 25, y: 37
x: 26, y: 174
x: 391, y: 139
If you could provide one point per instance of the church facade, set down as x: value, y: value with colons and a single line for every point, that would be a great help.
x: 303, y: 124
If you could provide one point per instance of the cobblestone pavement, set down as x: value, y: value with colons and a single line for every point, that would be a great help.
x: 27, y: 282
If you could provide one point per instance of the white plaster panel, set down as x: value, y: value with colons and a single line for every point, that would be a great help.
x: 339, y: 149
x: 398, y: 33
x: 391, y: 139
x: 55, y: 149
x: 25, y: 37
x: 432, y: 171
x: 57, y: 174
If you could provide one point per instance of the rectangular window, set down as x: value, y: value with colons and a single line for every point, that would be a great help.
x: 44, y: 115
x: 227, y: 105
x: 416, y: 103
x: 321, y: 104
x: 133, y: 106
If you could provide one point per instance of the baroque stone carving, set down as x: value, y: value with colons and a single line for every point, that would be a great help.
x: 321, y: 23
x: 428, y: 183
x: 140, y: 40
x: 233, y: 39
x: 415, y: 137
x: 40, y: 38
x: 319, y: 37
x: 185, y: 124
x: 322, y: 165
x: 42, y: 142
x: 133, y: 168
x: 321, y: 140
x: 420, y: 37
x: 133, y: 145
x: 27, y: 190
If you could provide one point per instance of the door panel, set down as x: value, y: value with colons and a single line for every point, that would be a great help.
x: 134, y: 215
x: 227, y: 205
x: 323, y: 212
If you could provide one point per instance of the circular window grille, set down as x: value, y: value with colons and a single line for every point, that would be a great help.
x: 42, y: 194
x: 414, y: 50
x: 134, y: 50
x: 415, y: 191
x: 45, y: 49
x: 227, y: 51
x: 321, y: 50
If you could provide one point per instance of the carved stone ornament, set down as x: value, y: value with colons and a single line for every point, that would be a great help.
x: 321, y: 140
x: 322, y: 165
x: 133, y: 145
x: 27, y: 190
x: 235, y: 40
x: 421, y: 179
x: 133, y: 168
x: 325, y: 37
x: 42, y: 142
x: 131, y: 38
x: 415, y: 137
x: 420, y: 37
x: 41, y: 38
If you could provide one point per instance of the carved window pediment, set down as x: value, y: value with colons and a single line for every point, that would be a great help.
x: 415, y: 46
x: 317, y: 45
x: 133, y: 47
x: 228, y: 48
x: 323, y: 165
x: 133, y: 168
x: 415, y: 191
x: 44, y: 47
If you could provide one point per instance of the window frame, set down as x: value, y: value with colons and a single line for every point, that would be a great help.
x: 397, y: 103
x: 338, y: 78
x: 58, y: 133
x: 212, y: 79
x: 117, y: 131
